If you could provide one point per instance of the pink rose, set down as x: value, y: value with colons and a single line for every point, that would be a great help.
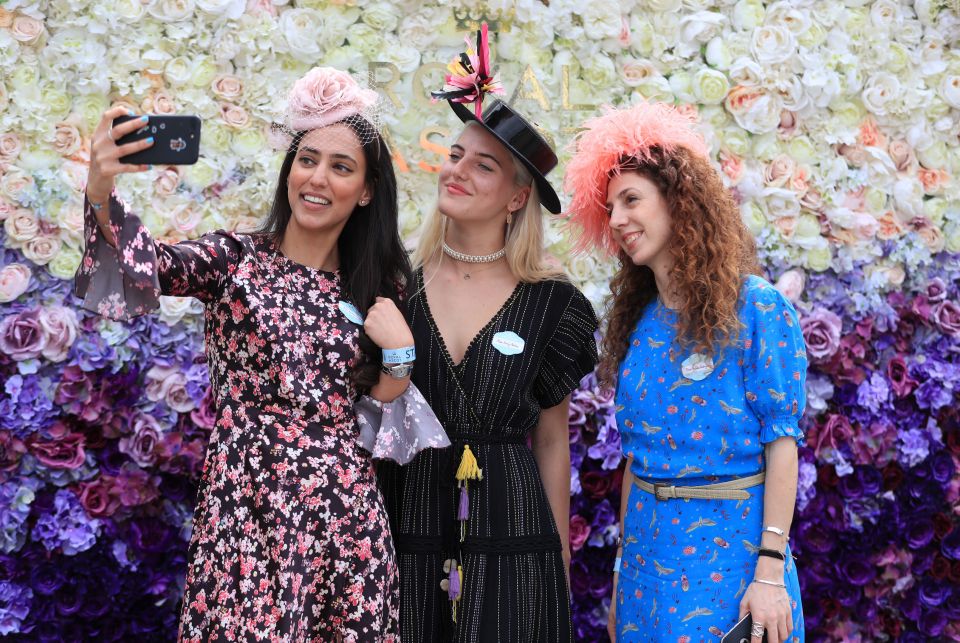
x: 99, y: 498
x: 11, y: 450
x: 821, y: 330
x: 42, y: 248
x: 227, y: 87
x: 901, y: 153
x: 167, y: 181
x: 26, y: 29
x: 789, y: 123
x: 73, y: 390
x: 10, y: 147
x: 779, y: 171
x: 66, y: 139
x: 579, y: 532
x: 936, y: 290
x: 855, y: 155
x: 732, y: 166
x: 929, y: 233
x: 836, y: 430
x: 900, y: 380
x: 22, y: 336
x: 791, y: 284
x: 933, y: 181
x: 234, y: 115
x: 324, y: 96
x: 160, y: 102
x: 60, y: 327
x: 168, y: 384
x: 14, y: 279
x: 946, y: 316
x: 65, y: 452
x: 21, y: 226
x: 141, y: 444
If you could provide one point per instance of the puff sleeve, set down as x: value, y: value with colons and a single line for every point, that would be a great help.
x: 400, y: 429
x: 775, y: 361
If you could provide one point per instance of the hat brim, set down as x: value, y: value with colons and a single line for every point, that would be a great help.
x: 548, y: 196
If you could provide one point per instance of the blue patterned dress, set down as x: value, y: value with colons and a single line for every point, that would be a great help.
x: 686, y: 563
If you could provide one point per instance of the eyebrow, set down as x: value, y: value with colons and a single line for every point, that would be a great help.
x: 483, y: 154
x: 619, y: 196
x: 337, y: 155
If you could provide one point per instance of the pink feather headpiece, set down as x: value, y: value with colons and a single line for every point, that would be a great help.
x: 618, y: 133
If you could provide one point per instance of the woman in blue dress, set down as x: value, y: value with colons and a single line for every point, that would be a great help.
x: 709, y: 367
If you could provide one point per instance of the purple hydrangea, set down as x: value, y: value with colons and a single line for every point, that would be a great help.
x: 15, y: 604
x: 67, y: 526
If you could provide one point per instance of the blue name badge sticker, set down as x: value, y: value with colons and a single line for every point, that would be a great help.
x: 350, y: 312
x: 508, y: 343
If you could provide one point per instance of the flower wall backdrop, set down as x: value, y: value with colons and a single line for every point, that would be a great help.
x: 836, y: 124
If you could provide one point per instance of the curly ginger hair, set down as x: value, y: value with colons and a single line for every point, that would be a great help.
x: 712, y: 252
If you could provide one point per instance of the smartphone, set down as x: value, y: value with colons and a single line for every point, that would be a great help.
x: 176, y: 140
x: 740, y: 633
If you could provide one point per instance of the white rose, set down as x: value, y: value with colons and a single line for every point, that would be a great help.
x: 230, y: 9
x: 822, y: 85
x: 171, y: 10
x: 248, y: 142
x: 949, y: 90
x: 21, y: 226
x: 407, y: 59
x: 710, y: 86
x: 301, y: 29
x: 4, y: 98
x: 885, y: 15
x: 599, y: 71
x: 753, y: 217
x: 42, y: 248
x: 791, y: 283
x: 908, y: 198
x: 173, y: 309
x: 381, y: 16
x: 178, y: 70
x: 64, y: 265
x: 748, y: 14
x: 754, y: 109
x: 819, y: 258
x: 662, y: 6
x: 933, y: 156
x: 636, y: 72
x: 699, y: 27
x: 717, y: 54
x: 599, y: 22
x: 881, y: 92
x: 772, y: 45
x: 14, y: 280
x: 744, y: 71
x: 780, y: 203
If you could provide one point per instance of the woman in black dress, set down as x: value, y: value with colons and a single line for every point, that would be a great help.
x: 481, y: 528
x: 290, y: 538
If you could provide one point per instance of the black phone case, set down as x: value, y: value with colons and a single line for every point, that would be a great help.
x: 740, y: 633
x: 176, y: 140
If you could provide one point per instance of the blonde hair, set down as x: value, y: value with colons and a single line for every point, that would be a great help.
x: 526, y: 255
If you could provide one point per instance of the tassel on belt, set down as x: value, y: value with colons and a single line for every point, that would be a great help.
x: 730, y: 490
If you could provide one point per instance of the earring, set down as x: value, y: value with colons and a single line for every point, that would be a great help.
x: 363, y: 202
x: 509, y: 218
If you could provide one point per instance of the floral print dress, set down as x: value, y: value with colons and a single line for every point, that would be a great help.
x: 291, y: 540
x: 686, y: 563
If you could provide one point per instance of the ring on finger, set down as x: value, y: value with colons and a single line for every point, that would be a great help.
x: 757, y: 629
x: 110, y: 134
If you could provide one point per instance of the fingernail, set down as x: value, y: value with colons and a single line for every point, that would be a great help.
x: 150, y: 140
x: 131, y: 112
x: 144, y: 118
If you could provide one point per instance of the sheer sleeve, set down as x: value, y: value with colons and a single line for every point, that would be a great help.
x: 774, y: 362
x: 127, y: 280
x: 400, y: 429
x: 570, y: 354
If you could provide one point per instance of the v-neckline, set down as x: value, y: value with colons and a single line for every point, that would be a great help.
x: 435, y: 329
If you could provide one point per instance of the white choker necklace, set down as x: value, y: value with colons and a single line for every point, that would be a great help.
x: 459, y: 256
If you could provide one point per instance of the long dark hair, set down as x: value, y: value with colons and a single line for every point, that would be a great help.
x: 373, y: 261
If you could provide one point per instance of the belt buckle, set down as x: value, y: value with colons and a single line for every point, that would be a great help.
x: 657, y: 486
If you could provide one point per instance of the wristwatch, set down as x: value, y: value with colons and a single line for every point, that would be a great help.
x: 398, y: 371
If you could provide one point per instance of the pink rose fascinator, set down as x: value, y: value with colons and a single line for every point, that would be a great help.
x: 322, y: 97
x: 471, y: 76
x: 598, y: 152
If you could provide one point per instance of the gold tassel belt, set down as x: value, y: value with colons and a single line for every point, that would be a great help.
x: 730, y: 490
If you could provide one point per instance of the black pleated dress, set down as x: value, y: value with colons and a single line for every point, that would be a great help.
x: 513, y: 585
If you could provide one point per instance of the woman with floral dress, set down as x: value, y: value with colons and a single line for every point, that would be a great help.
x: 291, y: 540
x: 709, y: 366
